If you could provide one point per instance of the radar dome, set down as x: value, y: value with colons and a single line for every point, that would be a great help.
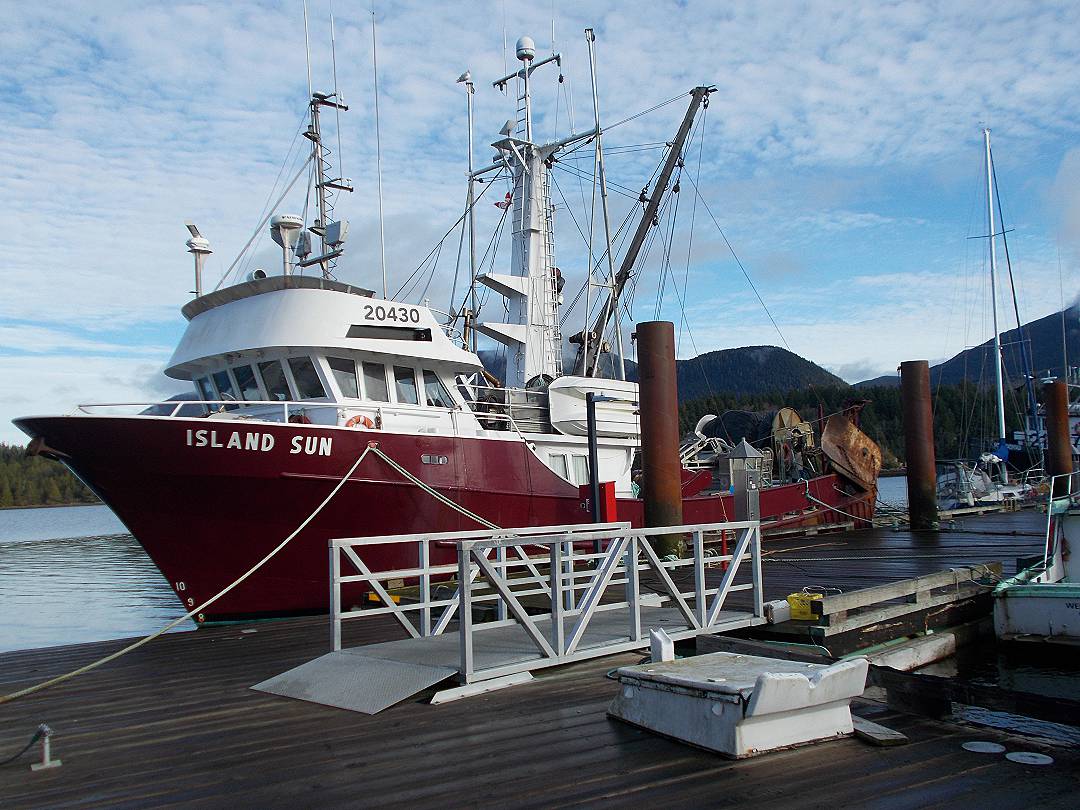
x: 526, y: 49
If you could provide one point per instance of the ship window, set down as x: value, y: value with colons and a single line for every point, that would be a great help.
x: 308, y: 385
x: 344, y: 371
x: 435, y: 392
x: 206, y: 391
x: 375, y: 382
x: 224, y: 388
x: 248, y: 385
x: 581, y: 469
x: 558, y: 464
x: 274, y: 379
x: 405, y: 385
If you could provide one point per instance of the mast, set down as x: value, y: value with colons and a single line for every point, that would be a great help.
x: 331, y: 234
x: 584, y: 364
x: 590, y: 38
x: 470, y: 90
x: 531, y: 332
x: 998, y: 382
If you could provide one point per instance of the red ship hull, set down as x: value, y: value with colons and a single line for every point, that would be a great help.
x: 206, y: 511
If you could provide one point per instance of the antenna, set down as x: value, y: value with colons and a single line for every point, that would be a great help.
x: 307, y: 51
x: 378, y: 151
x: 337, y: 96
x: 198, y: 246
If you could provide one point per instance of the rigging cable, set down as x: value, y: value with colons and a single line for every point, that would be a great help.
x: 265, y: 219
x: 746, y: 275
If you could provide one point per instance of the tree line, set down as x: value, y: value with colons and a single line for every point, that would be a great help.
x: 36, y: 481
x: 965, y: 421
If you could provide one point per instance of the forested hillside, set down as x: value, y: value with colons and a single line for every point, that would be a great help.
x: 37, y: 481
x: 963, y: 415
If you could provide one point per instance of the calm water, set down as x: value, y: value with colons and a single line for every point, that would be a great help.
x: 893, y: 491
x: 74, y: 574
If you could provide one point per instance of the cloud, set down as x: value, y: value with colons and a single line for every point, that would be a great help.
x: 840, y: 153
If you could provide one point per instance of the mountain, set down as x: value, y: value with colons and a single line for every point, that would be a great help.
x: 976, y: 364
x: 749, y: 370
x: 746, y: 370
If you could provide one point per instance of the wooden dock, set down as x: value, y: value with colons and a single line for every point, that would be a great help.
x: 175, y: 723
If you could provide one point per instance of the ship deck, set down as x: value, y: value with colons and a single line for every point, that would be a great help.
x: 176, y: 722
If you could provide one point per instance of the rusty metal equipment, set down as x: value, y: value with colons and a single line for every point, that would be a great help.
x: 1058, y: 447
x: 659, y: 398
x: 919, y: 443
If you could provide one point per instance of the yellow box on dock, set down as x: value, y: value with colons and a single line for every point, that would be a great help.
x: 805, y: 605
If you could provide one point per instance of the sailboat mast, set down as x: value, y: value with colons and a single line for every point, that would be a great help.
x: 998, y: 382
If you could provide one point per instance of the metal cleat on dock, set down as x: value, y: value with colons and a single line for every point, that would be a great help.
x: 46, y: 750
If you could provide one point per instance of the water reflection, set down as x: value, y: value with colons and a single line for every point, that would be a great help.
x: 70, y: 575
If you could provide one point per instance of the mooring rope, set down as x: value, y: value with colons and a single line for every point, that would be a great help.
x: 832, y: 508
x: 434, y: 492
x: 195, y: 611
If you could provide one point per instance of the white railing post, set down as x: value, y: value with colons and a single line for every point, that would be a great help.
x: 755, y: 562
x: 700, y: 607
x: 633, y: 588
x: 556, y: 574
x: 335, y: 598
x: 424, y: 561
x: 568, y: 565
x: 500, y: 566
x: 465, y: 610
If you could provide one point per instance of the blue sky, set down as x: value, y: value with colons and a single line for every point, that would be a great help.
x: 841, y: 155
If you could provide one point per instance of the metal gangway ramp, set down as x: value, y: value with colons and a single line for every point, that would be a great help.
x: 602, y: 588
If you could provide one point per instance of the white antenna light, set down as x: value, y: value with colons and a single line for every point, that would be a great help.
x: 199, y: 246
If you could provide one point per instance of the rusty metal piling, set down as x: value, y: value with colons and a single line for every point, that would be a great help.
x: 1058, y: 446
x: 919, y: 444
x: 659, y: 405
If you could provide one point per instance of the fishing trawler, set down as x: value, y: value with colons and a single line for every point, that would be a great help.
x: 298, y: 375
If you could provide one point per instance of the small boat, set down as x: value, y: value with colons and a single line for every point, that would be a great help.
x: 1042, y: 602
x: 323, y: 410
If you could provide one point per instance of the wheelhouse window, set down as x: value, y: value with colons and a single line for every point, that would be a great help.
x: 581, y: 469
x: 246, y: 382
x: 224, y: 385
x: 205, y: 389
x: 375, y: 382
x: 405, y: 385
x: 558, y: 464
x: 274, y: 379
x: 308, y: 384
x: 344, y: 371
x: 435, y: 393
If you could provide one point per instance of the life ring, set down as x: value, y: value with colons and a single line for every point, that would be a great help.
x: 360, y: 420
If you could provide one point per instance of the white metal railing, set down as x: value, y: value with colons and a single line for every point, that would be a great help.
x: 172, y: 408
x: 515, y: 409
x: 495, y: 567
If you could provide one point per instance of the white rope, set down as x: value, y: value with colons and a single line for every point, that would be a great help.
x: 113, y: 656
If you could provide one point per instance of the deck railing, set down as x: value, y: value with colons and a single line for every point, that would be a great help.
x: 500, y: 568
